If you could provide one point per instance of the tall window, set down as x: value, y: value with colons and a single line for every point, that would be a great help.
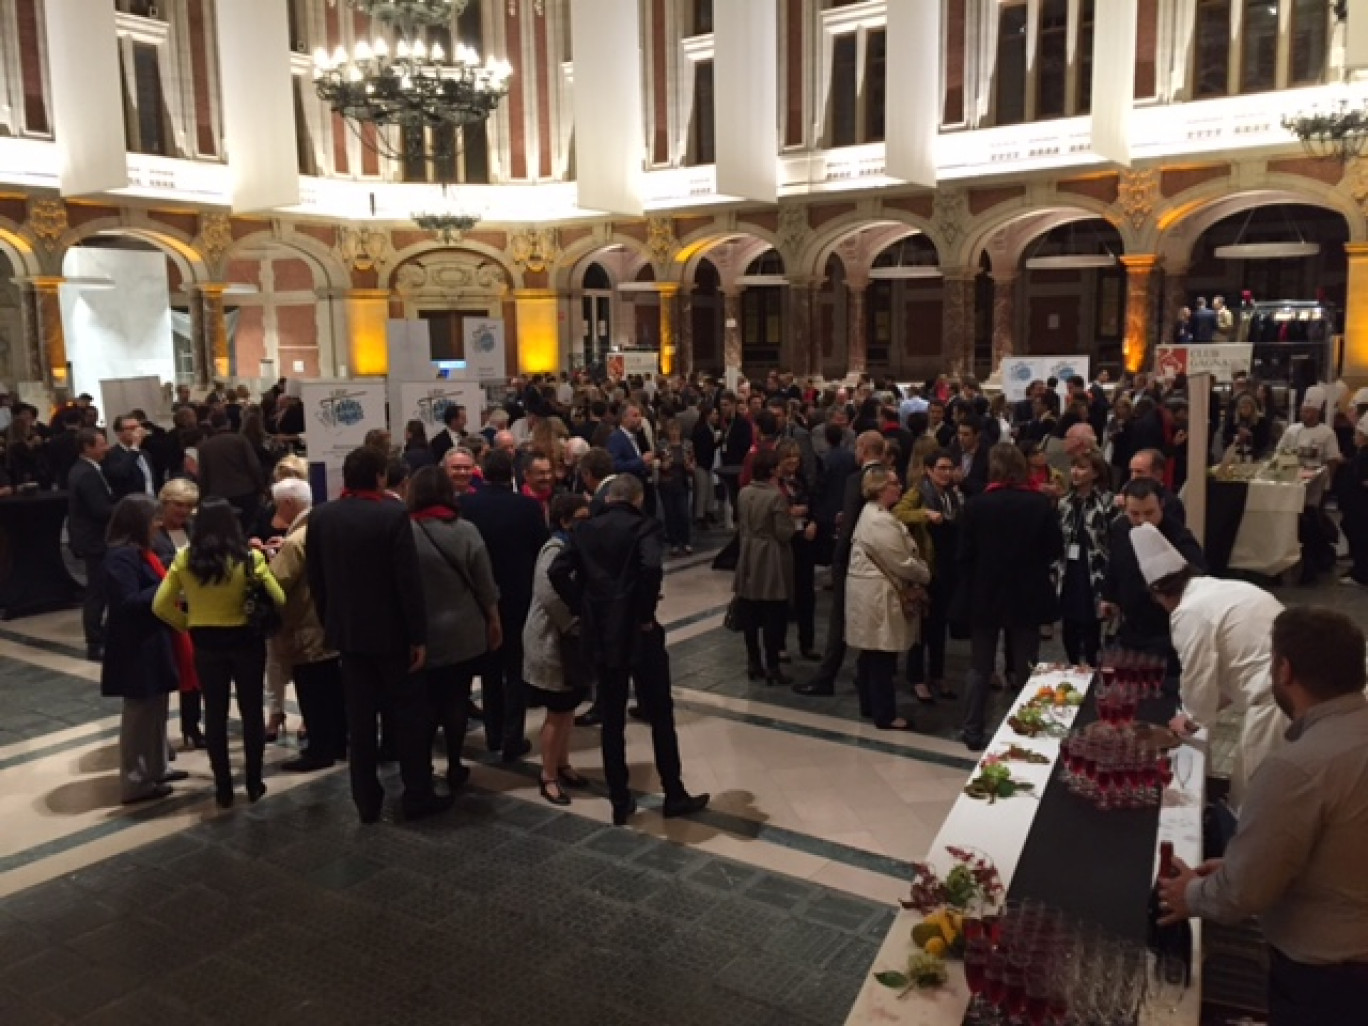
x: 702, y: 17
x: 845, y: 93
x: 474, y: 144
x: 1259, y: 47
x: 296, y: 22
x: 1052, y: 49
x: 858, y: 93
x: 1010, y: 80
x: 1083, y: 84
x: 303, y: 140
x: 956, y: 29
x: 702, y: 133
x: 1310, y: 40
x: 144, y: 110
x: 142, y: 8
x: 876, y: 83
x: 1211, y: 49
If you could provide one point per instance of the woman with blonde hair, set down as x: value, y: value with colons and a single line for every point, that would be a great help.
x: 880, y: 621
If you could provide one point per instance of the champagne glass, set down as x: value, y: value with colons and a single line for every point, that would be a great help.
x: 1170, y: 983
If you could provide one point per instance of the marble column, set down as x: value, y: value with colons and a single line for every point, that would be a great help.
x: 796, y: 352
x: 857, y: 328
x: 45, y: 355
x: 1175, y: 298
x: 1004, y: 316
x: 731, y: 334
x: 684, y: 357
x: 957, y: 320
x: 208, y: 332
x: 1356, y: 316
x: 669, y: 320
x: 1139, y: 309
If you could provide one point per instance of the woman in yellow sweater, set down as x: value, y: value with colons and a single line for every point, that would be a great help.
x: 211, y: 576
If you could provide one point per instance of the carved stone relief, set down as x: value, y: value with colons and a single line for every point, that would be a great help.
x: 951, y: 214
x: 47, y: 222
x: 1137, y: 194
x: 361, y: 249
x: 215, y: 237
x: 534, y: 249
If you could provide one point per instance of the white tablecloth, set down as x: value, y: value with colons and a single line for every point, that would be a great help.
x: 1266, y: 542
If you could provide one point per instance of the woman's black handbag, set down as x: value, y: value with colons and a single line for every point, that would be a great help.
x: 734, y: 621
x: 263, y: 616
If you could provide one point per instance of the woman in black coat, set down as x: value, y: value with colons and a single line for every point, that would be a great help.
x: 1009, y: 542
x: 139, y: 663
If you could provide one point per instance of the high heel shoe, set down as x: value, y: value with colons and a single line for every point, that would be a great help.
x: 556, y: 797
x: 255, y: 791
x: 754, y: 671
x: 776, y: 678
x: 224, y: 799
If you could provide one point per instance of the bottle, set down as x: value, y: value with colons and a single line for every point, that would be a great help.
x: 1175, y: 939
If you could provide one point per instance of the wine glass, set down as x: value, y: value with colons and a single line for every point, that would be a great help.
x: 1170, y: 983
x: 1182, y: 767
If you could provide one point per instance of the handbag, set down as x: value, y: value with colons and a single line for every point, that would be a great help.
x: 263, y: 616
x: 912, y: 597
x: 734, y: 621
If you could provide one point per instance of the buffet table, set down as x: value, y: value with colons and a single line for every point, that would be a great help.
x: 33, y: 574
x: 1252, y: 525
x: 1054, y: 847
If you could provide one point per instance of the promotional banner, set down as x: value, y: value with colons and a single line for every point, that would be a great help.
x: 337, y: 415
x: 640, y: 361
x: 1017, y: 372
x: 427, y: 401
x: 124, y: 395
x: 409, y: 347
x: 1220, y: 361
x: 484, y: 348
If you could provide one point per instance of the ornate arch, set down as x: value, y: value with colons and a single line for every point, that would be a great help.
x: 329, y: 272
x: 387, y: 268
x: 823, y: 242
x: 575, y: 259
x: 1048, y: 211
x: 175, y: 244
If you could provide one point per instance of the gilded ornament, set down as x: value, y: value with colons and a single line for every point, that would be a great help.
x: 361, y: 249
x: 215, y: 237
x: 48, y: 222
x: 1356, y: 183
x: 660, y: 240
x: 1136, y: 195
x: 534, y: 249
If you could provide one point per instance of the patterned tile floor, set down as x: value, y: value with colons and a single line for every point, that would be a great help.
x: 768, y: 909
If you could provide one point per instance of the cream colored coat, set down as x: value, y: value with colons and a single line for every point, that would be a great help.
x: 1223, y: 632
x: 881, y: 552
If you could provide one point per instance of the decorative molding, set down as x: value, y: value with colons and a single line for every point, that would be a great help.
x: 1136, y: 195
x: 362, y: 249
x: 661, y: 241
x: 1355, y: 182
x: 215, y: 237
x: 534, y: 249
x: 793, y: 227
x: 950, y: 214
x: 47, y: 222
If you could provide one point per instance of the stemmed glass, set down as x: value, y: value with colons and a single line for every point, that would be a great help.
x: 1170, y: 983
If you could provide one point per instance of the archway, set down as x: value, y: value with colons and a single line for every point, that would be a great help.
x: 1071, y: 294
x: 445, y: 285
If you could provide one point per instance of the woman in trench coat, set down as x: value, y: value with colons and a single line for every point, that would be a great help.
x: 764, y: 568
x: 884, y: 565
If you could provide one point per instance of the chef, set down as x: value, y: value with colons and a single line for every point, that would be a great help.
x: 1222, y: 631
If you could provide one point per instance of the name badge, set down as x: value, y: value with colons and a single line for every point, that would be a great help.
x: 1075, y: 552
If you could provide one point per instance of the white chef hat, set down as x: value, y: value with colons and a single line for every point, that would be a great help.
x: 1315, y: 396
x: 1361, y: 397
x: 1157, y: 558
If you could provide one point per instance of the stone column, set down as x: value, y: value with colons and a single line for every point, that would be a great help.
x: 957, y: 319
x: 857, y: 328
x: 1175, y: 298
x: 367, y: 332
x: 731, y: 334
x: 44, y: 339
x: 796, y: 352
x: 1356, y: 316
x: 669, y: 320
x: 1004, y: 316
x: 208, y: 332
x: 1139, y: 309
x: 684, y: 357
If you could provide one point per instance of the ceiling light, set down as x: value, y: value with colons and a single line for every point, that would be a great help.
x: 1070, y: 262
x: 1266, y: 250
x: 907, y: 271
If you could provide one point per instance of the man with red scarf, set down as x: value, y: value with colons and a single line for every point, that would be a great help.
x: 539, y: 482
x: 362, y: 567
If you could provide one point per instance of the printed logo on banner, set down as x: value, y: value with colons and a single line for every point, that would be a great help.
x: 484, y: 339
x: 1020, y: 372
x: 617, y: 366
x: 433, y: 406
x: 340, y: 409
x: 1172, y: 361
x: 1063, y: 371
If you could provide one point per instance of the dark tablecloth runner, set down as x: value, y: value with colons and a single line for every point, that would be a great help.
x: 33, y: 574
x: 1225, y: 511
x: 1098, y: 866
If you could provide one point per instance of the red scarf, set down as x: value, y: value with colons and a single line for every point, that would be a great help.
x: 1002, y: 486
x: 433, y: 513
x: 368, y: 494
x: 182, y: 648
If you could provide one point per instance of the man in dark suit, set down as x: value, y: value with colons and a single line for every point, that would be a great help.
x: 126, y: 467
x: 1204, y: 321
x: 514, y: 531
x: 610, y: 574
x: 970, y: 455
x: 1125, y: 592
x: 90, y: 502
x: 869, y: 452
x: 453, y: 434
x: 362, y: 567
x: 229, y: 468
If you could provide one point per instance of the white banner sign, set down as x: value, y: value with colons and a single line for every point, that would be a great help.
x: 640, y: 361
x: 427, y: 401
x: 484, y: 348
x: 1017, y: 373
x: 410, y: 350
x: 337, y: 415
x: 1220, y: 361
x: 87, y: 103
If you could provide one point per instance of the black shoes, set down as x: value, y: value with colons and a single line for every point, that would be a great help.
x: 682, y: 805
x: 754, y: 671
x: 160, y: 791
x: 623, y: 811
x: 816, y: 686
x: 515, y: 751
x: 224, y: 799
x: 256, y: 791
x: 973, y: 742
x: 556, y: 797
x: 473, y: 711
x: 456, y: 777
x: 192, y: 740
x: 429, y: 806
x: 592, y: 718
x: 776, y: 679
x: 173, y: 776
x: 95, y: 653
x: 638, y: 714
x: 369, y: 813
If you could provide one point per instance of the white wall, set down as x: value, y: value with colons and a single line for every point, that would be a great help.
x: 119, y: 332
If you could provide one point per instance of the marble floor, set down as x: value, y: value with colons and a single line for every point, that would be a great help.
x: 768, y: 908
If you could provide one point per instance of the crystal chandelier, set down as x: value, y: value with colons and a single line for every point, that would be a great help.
x: 449, y: 222
x: 1340, y: 134
x: 414, y: 12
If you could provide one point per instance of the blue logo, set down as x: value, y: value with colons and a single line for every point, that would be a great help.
x: 484, y: 340
x: 341, y: 409
x: 1021, y: 372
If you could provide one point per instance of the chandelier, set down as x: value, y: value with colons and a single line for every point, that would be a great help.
x: 412, y: 12
x: 449, y: 222
x: 1340, y: 133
